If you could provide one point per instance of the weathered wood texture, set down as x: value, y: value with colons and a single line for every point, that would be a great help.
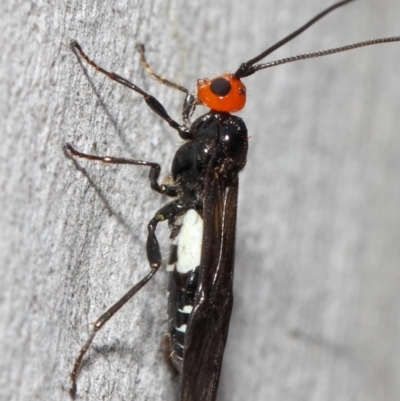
x: 317, y: 307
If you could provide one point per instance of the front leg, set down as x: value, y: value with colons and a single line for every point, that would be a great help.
x: 151, y: 101
x: 190, y: 101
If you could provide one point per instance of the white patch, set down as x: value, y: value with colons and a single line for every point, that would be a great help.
x: 186, y: 309
x: 182, y: 329
x: 170, y: 268
x: 189, y: 242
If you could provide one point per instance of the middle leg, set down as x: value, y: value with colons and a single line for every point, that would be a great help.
x: 154, y: 174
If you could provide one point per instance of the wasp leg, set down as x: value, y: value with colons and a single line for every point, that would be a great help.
x: 99, y: 323
x: 167, y: 212
x: 154, y: 174
x: 157, y: 77
x: 151, y: 101
x: 190, y: 101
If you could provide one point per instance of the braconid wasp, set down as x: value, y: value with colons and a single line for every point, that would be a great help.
x: 202, y: 216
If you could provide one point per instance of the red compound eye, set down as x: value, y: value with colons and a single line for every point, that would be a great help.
x: 224, y: 93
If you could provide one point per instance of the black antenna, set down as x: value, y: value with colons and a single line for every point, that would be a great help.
x: 327, y: 52
x: 247, y: 68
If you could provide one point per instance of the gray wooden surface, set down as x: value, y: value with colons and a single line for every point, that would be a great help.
x: 317, y: 304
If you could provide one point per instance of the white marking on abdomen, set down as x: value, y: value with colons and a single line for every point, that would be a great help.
x: 189, y: 241
x: 186, y: 309
x: 182, y: 329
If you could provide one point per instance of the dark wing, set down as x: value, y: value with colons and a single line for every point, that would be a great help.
x: 208, y: 325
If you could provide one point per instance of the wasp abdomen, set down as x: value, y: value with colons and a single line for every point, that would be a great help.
x: 183, y: 269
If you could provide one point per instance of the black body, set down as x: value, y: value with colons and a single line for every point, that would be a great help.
x: 205, y: 173
x: 205, y: 178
